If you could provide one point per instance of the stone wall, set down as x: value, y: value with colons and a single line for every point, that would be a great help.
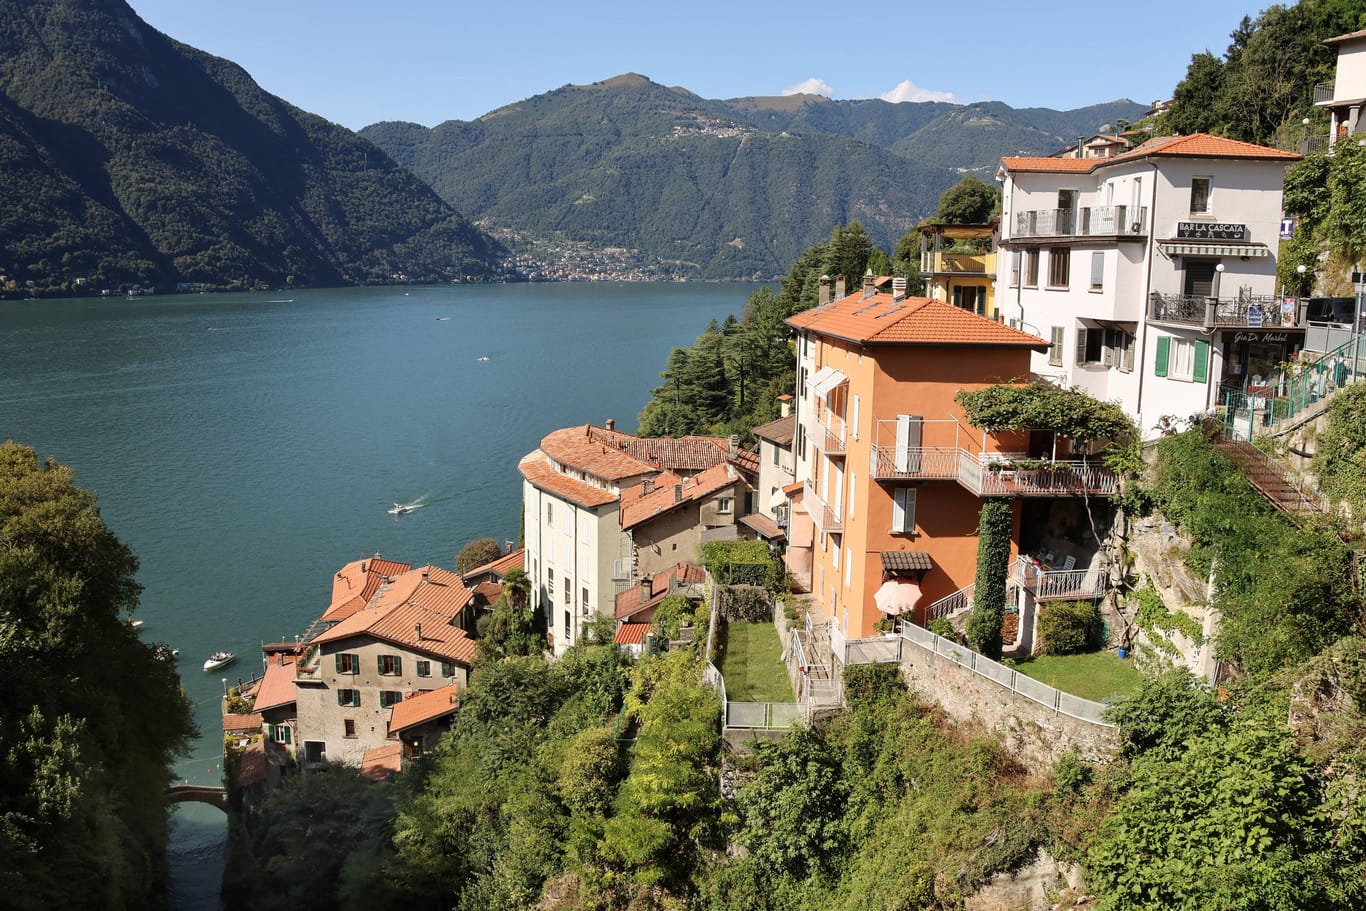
x: 1157, y: 547
x: 1033, y: 733
x: 1043, y: 885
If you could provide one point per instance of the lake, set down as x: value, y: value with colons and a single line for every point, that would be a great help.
x: 247, y: 446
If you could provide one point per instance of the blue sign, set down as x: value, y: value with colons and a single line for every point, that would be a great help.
x: 1287, y: 229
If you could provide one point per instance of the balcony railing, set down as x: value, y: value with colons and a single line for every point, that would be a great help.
x: 959, y: 263
x: 993, y: 474
x: 834, y: 431
x: 1057, y: 585
x: 826, y: 520
x: 1323, y: 93
x: 1090, y: 221
x: 1246, y: 311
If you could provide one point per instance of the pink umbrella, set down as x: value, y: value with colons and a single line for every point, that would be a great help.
x: 897, y: 596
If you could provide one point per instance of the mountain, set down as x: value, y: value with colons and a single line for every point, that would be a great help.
x: 127, y: 158
x: 716, y: 189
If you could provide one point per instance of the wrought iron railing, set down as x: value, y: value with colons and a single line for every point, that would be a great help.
x: 1089, y: 221
x: 1323, y: 93
x: 1056, y: 584
x: 1245, y: 311
x: 987, y: 477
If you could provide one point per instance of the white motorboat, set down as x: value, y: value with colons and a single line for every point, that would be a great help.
x: 402, y: 508
x: 219, y: 659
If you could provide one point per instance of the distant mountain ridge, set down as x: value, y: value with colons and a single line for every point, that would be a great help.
x: 127, y: 158
x: 717, y: 189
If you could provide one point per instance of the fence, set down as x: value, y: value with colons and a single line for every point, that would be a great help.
x: 1261, y: 405
x: 1061, y: 703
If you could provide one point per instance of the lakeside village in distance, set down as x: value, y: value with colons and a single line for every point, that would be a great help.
x: 1143, y: 274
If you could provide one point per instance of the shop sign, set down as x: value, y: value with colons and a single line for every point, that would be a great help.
x: 1268, y: 337
x: 1210, y: 230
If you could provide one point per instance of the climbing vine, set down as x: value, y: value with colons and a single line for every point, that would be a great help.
x: 1069, y: 413
x: 989, y: 595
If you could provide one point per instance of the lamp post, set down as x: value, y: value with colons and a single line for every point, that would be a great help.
x: 225, y: 686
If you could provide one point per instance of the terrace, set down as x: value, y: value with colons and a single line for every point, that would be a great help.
x: 1088, y: 221
x: 1248, y: 311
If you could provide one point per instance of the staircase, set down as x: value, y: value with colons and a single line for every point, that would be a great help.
x: 1272, y: 480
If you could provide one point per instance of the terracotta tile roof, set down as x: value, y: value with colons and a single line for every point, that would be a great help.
x: 910, y: 321
x: 381, y: 762
x: 646, y: 506
x: 585, y: 448
x: 430, y: 596
x: 765, y: 526
x: 423, y: 707
x: 746, y: 460
x: 779, y: 432
x: 277, y: 684
x: 632, y: 634
x: 514, y: 560
x: 356, y: 583
x: 252, y: 767
x: 688, y: 454
x: 794, y: 487
x: 906, y: 560
x: 543, y: 477
x: 487, y: 593
x: 242, y: 724
x: 1196, y: 145
x: 1350, y: 36
x: 630, y: 602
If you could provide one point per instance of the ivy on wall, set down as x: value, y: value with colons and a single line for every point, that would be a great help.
x: 989, y: 595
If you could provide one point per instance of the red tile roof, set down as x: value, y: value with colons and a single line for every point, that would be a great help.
x: 879, y: 319
x: 430, y: 596
x: 746, y: 460
x: 241, y: 724
x: 779, y: 432
x: 1196, y: 145
x: 423, y: 707
x: 765, y: 526
x: 252, y: 768
x: 629, y: 602
x: 487, y: 593
x: 584, y: 447
x: 356, y: 583
x: 662, y: 499
x: 1350, y: 36
x: 686, y: 454
x: 632, y: 634
x: 545, y: 478
x: 277, y: 684
x: 381, y: 762
x: 513, y: 560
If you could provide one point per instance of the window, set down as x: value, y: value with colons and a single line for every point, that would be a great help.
x: 848, y: 572
x: 1031, y: 277
x: 853, y: 421
x: 567, y: 621
x: 725, y: 505
x: 1059, y: 336
x: 390, y: 665
x: 550, y: 582
x: 389, y: 698
x: 853, y: 483
x: 585, y: 602
x: 777, y: 460
x: 447, y: 669
x: 1200, y: 195
x: 280, y: 733
x: 349, y: 698
x: 972, y: 298
x: 903, y: 511
x: 348, y: 664
x: 424, y: 668
x: 568, y: 595
x: 1097, y: 270
x: 1090, y: 345
x: 349, y: 727
x: 1059, y: 267
x: 550, y: 514
x: 1182, y: 359
x: 1014, y: 268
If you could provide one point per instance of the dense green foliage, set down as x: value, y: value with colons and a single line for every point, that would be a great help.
x: 1327, y: 196
x: 1340, y: 451
x: 1069, y: 413
x: 994, y: 526
x: 968, y: 202
x: 1283, y: 592
x: 1068, y: 627
x: 692, y: 185
x: 90, y: 720
x: 477, y: 553
x: 129, y: 159
x: 741, y: 563
x: 1262, y: 86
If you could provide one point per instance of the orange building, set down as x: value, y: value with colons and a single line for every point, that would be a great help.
x: 892, y: 476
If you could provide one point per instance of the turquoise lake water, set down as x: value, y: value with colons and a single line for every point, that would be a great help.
x: 247, y: 446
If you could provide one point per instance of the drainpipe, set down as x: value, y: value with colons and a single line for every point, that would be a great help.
x: 1147, y: 298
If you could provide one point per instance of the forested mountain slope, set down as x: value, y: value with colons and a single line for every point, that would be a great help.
x: 128, y: 158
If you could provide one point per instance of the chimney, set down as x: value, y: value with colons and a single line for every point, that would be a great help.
x: 678, y: 493
x: 734, y: 444
x: 823, y: 296
x: 417, y: 631
x: 362, y: 566
x: 839, y: 287
x: 784, y: 405
x: 610, y: 424
x: 644, y: 590
x: 647, y: 487
x: 868, y: 289
x: 426, y: 571
x: 898, y: 288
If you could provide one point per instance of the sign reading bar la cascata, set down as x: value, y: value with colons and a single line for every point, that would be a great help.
x: 1210, y: 230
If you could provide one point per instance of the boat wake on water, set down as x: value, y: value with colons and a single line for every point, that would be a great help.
x: 399, y: 509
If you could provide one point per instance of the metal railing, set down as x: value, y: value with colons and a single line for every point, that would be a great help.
x: 834, y: 429
x: 951, y: 604
x: 1058, y: 584
x: 985, y: 476
x: 1089, y: 221
x: 959, y: 263
x: 1007, y: 677
x: 1324, y: 93
x: 825, y: 518
x: 1260, y: 405
x: 1245, y: 311
x: 751, y: 715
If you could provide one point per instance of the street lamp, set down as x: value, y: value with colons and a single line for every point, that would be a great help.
x: 225, y: 686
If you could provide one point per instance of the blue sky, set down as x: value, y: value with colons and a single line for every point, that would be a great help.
x: 429, y: 61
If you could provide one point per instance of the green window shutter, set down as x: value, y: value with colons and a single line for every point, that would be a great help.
x: 1200, y: 370
x: 398, y: 664
x: 1164, y: 344
x: 341, y: 697
x: 379, y: 664
x: 285, y: 732
x: 339, y: 670
x: 355, y: 698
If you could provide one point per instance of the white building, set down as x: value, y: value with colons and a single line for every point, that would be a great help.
x: 1153, y: 273
x: 1345, y: 96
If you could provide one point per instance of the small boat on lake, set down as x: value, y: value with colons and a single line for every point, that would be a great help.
x: 162, y: 653
x: 403, y: 508
x: 219, y: 659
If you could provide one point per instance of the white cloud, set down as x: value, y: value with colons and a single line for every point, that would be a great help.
x: 909, y: 91
x: 812, y: 86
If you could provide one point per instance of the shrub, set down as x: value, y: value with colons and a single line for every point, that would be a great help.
x: 671, y: 614
x: 1068, y: 627
x: 746, y: 604
x: 940, y: 626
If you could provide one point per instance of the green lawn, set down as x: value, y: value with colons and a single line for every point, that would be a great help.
x: 1096, y: 676
x: 753, y: 664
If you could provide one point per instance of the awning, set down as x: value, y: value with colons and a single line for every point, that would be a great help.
x: 778, y: 500
x: 1187, y: 248
x: 897, y: 596
x: 827, y: 378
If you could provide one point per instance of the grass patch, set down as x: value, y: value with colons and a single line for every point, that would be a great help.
x: 753, y: 664
x: 1096, y: 675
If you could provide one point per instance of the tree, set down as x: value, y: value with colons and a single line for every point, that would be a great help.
x: 477, y: 553
x: 848, y: 252
x: 968, y: 202
x: 989, y: 594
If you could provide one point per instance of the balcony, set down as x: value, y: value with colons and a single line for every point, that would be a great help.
x: 959, y: 263
x: 832, y: 429
x: 1323, y: 93
x: 1091, y: 221
x: 826, y: 520
x: 993, y: 474
x: 1047, y: 584
x: 1257, y: 311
